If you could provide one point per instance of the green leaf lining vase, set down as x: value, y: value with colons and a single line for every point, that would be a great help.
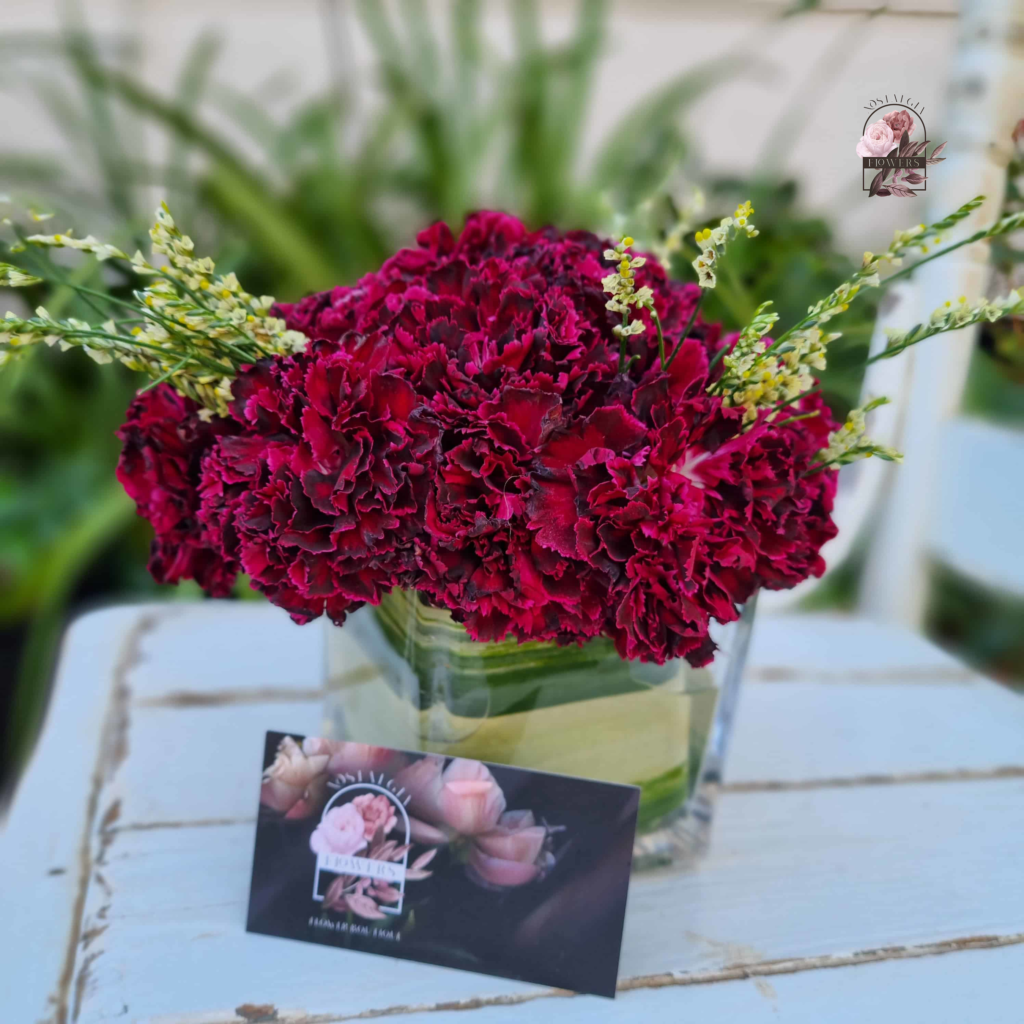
x: 406, y: 675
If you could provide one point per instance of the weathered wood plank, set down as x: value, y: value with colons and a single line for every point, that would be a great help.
x: 791, y: 875
x: 44, y: 859
x: 975, y: 985
x: 217, y: 647
x: 785, y: 733
x: 800, y: 731
x: 199, y: 764
x: 820, y: 647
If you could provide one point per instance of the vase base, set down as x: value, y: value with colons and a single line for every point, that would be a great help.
x: 679, y: 840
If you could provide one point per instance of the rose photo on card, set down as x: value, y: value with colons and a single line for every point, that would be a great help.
x: 449, y: 861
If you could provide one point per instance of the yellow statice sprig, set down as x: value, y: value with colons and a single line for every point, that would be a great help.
x: 748, y: 369
x: 756, y: 376
x: 713, y: 242
x: 621, y: 286
x: 952, y: 316
x: 103, y: 342
x: 849, y: 443
x: 919, y: 237
x: 189, y: 325
x: 788, y: 368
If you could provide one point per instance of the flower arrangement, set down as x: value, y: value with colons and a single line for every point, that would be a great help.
x: 535, y: 431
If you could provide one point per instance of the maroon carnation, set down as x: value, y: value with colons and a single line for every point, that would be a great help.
x: 164, y: 444
x: 320, y: 498
x: 460, y: 426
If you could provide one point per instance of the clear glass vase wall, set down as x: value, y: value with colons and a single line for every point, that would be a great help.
x: 406, y: 675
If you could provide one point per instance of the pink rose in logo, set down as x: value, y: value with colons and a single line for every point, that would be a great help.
x: 876, y: 141
x: 901, y: 122
x: 377, y: 812
x: 342, y: 831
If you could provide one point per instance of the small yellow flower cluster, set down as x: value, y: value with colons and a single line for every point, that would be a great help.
x: 749, y: 371
x: 770, y: 376
x: 713, y: 242
x: 622, y: 287
x: 764, y: 378
x: 848, y: 443
x: 43, y: 328
x: 743, y: 212
x: 755, y: 376
x: 191, y: 326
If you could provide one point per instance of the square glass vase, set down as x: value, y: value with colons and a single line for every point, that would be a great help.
x: 404, y: 674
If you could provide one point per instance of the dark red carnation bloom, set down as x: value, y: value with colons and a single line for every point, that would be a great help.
x: 460, y: 426
x: 164, y: 444
x: 320, y: 498
x: 481, y: 556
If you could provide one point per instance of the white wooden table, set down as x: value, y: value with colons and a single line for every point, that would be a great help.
x: 866, y: 862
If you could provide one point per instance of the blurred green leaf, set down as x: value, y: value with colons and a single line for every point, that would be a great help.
x: 59, y: 573
x: 641, y: 149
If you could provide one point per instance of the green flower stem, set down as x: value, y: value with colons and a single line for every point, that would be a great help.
x: 802, y: 416
x: 661, y: 337
x: 68, y: 281
x: 978, y: 236
x: 1001, y: 227
x: 926, y: 332
x: 622, y: 340
x: 792, y: 401
x: 164, y: 376
x: 686, y: 334
x: 84, y: 291
x: 131, y: 346
x: 718, y: 357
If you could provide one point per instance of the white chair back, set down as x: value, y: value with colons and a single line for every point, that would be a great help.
x: 954, y: 494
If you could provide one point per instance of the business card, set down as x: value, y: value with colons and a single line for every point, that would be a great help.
x: 448, y: 861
